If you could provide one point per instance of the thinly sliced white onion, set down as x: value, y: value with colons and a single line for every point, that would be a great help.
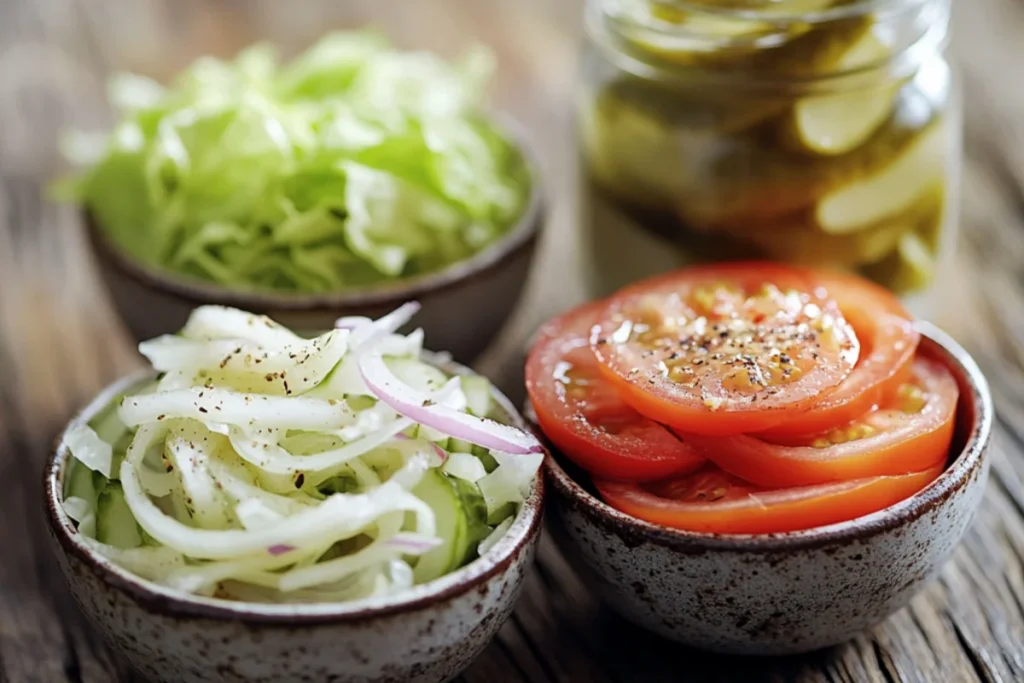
x: 339, y: 568
x: 227, y: 464
x: 170, y: 352
x: 221, y: 322
x: 189, y: 447
x: 289, y: 371
x: 175, y: 379
x: 253, y: 514
x: 423, y: 409
x: 389, y: 324
x: 413, y: 544
x: 253, y: 411
x: 352, y: 322
x: 152, y: 563
x: 273, y: 459
x: 465, y: 466
x: 411, y: 473
x: 239, y: 484
x: 89, y: 449
x: 202, y: 578
x: 401, y: 576
x: 340, y: 516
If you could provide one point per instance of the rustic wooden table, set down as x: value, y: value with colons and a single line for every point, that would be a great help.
x: 60, y: 341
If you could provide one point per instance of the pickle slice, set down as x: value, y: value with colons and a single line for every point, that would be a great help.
x: 804, y: 244
x: 780, y: 47
x: 637, y: 157
x: 800, y: 241
x: 751, y: 178
x: 909, y: 268
x: 889, y: 191
x: 836, y: 124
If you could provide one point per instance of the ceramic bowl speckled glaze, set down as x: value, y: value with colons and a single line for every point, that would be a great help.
x: 779, y: 593
x: 426, y: 634
x: 464, y: 306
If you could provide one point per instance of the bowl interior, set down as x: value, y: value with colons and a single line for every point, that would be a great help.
x: 971, y: 436
x: 495, y: 561
x: 518, y: 236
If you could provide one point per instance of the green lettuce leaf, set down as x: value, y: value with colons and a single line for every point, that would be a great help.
x: 350, y: 166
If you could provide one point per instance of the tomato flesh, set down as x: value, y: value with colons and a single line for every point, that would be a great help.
x: 583, y: 415
x: 911, y: 432
x: 727, y: 349
x: 888, y: 342
x: 712, y: 501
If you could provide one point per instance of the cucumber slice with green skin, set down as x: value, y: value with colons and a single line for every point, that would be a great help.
x: 82, y: 482
x: 115, y: 524
x: 439, y: 492
x: 501, y: 513
x: 475, y: 509
x: 461, y: 517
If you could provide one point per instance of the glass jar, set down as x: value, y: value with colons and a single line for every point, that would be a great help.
x: 816, y: 132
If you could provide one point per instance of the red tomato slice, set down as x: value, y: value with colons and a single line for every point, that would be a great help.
x: 888, y: 441
x: 713, y: 501
x: 581, y: 413
x: 888, y: 341
x: 724, y: 349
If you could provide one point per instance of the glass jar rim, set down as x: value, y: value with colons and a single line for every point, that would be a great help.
x: 748, y: 11
x: 608, y: 29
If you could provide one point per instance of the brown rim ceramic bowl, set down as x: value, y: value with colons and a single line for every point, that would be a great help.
x: 426, y: 634
x: 464, y: 306
x: 779, y: 593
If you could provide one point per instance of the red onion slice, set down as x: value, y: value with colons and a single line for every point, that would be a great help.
x: 412, y: 543
x: 280, y: 549
x: 417, y: 406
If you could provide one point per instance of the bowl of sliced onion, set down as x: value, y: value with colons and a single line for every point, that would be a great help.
x: 262, y: 506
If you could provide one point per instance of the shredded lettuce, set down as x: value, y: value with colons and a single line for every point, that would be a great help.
x: 223, y: 481
x: 352, y: 165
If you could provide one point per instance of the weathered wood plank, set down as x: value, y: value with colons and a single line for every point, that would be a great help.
x: 56, y: 345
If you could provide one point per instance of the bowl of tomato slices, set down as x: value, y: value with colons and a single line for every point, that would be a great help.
x: 757, y: 459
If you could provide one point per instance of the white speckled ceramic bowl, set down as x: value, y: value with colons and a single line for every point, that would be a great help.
x: 426, y: 634
x: 779, y: 593
x: 464, y: 306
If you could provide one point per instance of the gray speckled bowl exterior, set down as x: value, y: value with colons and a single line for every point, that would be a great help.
x: 464, y: 305
x: 426, y: 634
x: 780, y: 593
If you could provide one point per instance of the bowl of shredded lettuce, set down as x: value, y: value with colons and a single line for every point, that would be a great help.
x: 288, y: 502
x: 343, y: 181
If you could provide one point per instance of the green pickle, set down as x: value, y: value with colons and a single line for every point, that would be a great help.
x: 683, y: 169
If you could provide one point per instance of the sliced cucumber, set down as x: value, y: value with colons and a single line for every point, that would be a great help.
x: 82, y: 482
x: 107, y: 424
x: 478, y: 394
x: 459, y: 446
x: 115, y: 524
x: 416, y: 373
x: 475, y: 509
x: 501, y: 513
x: 441, y: 494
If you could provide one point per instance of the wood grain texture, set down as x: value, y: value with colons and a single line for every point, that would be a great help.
x: 60, y: 341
